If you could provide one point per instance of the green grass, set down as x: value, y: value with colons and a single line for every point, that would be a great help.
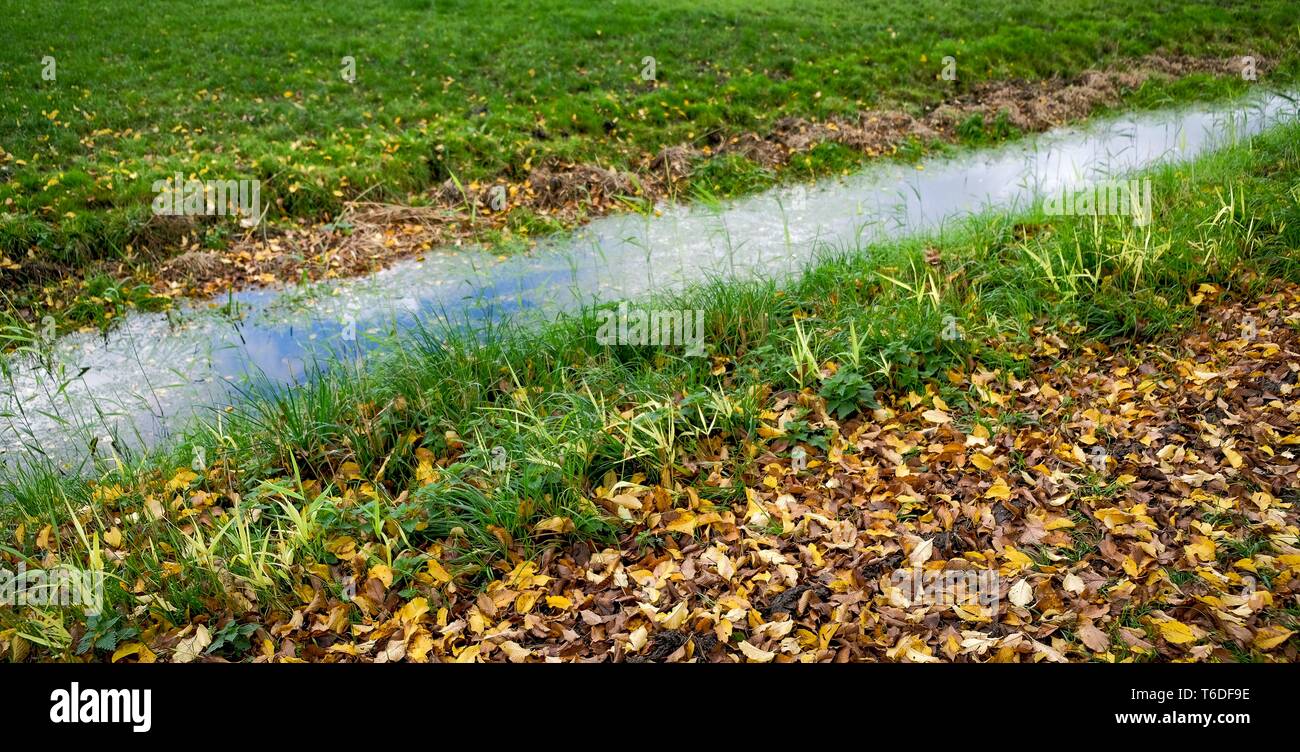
x: 443, y: 89
x: 398, y: 458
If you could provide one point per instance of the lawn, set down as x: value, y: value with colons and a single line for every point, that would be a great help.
x: 447, y: 91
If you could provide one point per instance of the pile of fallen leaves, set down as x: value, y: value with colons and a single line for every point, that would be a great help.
x: 1135, y: 506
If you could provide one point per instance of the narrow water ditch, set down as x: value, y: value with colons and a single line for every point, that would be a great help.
x: 153, y: 371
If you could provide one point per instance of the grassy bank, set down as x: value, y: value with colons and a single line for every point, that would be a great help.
x: 452, y: 463
x: 444, y: 94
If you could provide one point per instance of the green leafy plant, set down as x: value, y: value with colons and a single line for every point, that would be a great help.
x: 232, y: 637
x: 847, y: 392
x: 801, y: 433
x: 104, y: 632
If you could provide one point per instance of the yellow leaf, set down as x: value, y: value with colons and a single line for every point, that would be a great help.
x: 468, y: 655
x: 182, y: 479
x: 558, y: 602
x: 999, y: 490
x: 685, y: 523
x: 437, y: 572
x: 981, y: 461
x: 525, y: 602
x: 1016, y: 558
x: 417, y: 650
x: 1202, y: 548
x: 383, y: 573
x: 425, y: 473
x: 824, y: 634
x: 754, y: 654
x: 139, y: 649
x: 554, y: 525
x: 1176, y: 632
x: 637, y: 639
x: 1021, y: 594
x: 343, y: 546
x: 676, y: 617
x: 515, y: 652
x: 922, y: 553
x: 413, y: 610
x: 192, y: 647
x: 1271, y: 636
